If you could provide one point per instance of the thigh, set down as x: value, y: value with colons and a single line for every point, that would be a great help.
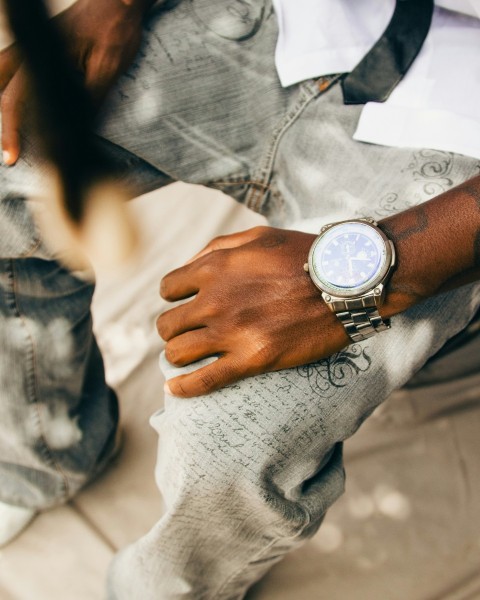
x: 278, y: 430
x: 249, y: 471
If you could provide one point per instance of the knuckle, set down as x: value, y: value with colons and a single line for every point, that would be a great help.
x: 182, y: 388
x: 209, y: 267
x: 210, y: 309
x: 162, y: 327
x: 207, y: 381
x: 171, y: 354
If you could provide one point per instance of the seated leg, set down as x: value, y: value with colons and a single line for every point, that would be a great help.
x: 248, y: 472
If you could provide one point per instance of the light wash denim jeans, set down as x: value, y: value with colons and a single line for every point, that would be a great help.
x: 248, y: 472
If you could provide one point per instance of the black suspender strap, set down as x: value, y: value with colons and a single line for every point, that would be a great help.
x: 377, y: 74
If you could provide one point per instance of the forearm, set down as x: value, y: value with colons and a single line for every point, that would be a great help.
x: 437, y: 245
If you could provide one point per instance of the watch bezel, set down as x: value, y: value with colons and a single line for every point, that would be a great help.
x: 368, y: 286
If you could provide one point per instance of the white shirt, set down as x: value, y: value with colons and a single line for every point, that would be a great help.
x: 436, y: 105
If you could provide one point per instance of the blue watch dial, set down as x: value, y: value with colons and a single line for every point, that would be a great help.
x: 349, y: 255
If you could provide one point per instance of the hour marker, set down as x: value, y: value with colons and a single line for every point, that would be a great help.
x: 371, y: 264
x: 335, y: 243
x: 363, y: 275
x: 368, y: 243
x: 328, y: 251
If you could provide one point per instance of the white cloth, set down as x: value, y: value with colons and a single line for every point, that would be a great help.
x: 436, y: 105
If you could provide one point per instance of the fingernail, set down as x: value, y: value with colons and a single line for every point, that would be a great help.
x: 166, y: 389
x: 7, y: 158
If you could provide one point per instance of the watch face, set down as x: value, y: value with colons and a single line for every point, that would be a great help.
x: 349, y: 258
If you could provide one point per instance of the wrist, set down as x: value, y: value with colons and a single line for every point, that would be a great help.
x: 437, y: 245
x: 405, y: 288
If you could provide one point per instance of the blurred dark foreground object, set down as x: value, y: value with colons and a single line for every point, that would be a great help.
x: 86, y: 208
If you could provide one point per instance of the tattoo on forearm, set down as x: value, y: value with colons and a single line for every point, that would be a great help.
x: 413, y: 221
x: 474, y: 192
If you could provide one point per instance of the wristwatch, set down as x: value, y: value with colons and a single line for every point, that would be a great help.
x: 349, y: 262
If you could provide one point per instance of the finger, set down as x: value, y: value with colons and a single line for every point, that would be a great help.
x: 191, y: 347
x: 12, y: 106
x: 180, y: 319
x: 214, y: 376
x: 178, y: 285
x: 9, y: 63
x: 224, y: 242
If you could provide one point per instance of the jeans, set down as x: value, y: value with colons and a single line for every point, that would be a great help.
x: 248, y: 472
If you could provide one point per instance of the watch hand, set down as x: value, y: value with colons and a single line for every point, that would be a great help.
x: 350, y: 266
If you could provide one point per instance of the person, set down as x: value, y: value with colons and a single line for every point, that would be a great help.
x: 263, y: 381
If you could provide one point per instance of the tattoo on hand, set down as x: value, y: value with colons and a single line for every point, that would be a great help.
x: 474, y: 193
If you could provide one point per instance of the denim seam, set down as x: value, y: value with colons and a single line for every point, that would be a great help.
x: 252, y: 184
x: 32, y: 384
x: 257, y: 197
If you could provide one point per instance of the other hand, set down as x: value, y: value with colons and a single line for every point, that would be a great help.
x: 102, y: 37
x: 252, y: 305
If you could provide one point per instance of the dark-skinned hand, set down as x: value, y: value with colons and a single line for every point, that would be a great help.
x: 103, y: 37
x: 252, y: 305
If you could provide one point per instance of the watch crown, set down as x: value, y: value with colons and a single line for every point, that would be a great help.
x: 305, y: 267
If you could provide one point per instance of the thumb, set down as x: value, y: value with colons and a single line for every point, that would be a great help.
x: 205, y: 380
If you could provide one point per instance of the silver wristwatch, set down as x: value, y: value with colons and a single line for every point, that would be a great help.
x: 349, y: 262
